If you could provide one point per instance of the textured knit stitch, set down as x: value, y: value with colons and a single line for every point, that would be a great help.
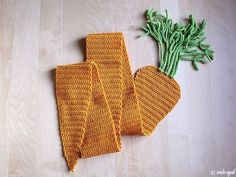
x: 111, y: 47
x: 86, y: 124
x: 98, y: 100
x: 157, y: 95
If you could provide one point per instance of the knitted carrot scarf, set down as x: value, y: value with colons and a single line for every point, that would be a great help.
x: 99, y: 100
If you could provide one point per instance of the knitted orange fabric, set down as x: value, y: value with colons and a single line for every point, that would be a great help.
x: 157, y: 93
x: 98, y: 100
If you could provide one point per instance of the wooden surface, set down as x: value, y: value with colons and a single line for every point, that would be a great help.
x: 196, y: 137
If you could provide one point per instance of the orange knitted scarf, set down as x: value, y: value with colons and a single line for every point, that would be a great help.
x: 99, y: 100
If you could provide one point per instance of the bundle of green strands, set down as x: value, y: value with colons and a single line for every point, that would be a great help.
x: 177, y: 42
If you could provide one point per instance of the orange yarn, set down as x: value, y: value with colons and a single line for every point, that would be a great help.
x: 98, y: 99
x: 157, y: 93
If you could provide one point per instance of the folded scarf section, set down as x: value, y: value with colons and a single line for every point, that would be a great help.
x: 99, y: 100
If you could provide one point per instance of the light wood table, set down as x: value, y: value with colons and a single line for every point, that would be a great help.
x: 198, y: 136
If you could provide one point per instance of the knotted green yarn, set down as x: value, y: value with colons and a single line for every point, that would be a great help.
x: 177, y: 41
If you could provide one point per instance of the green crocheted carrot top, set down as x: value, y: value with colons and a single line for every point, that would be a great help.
x: 177, y: 41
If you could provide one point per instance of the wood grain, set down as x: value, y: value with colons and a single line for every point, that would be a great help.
x: 37, y: 35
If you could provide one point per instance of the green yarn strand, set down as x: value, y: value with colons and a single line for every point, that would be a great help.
x: 177, y: 41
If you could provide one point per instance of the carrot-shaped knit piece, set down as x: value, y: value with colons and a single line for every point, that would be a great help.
x: 177, y: 42
x: 99, y: 100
